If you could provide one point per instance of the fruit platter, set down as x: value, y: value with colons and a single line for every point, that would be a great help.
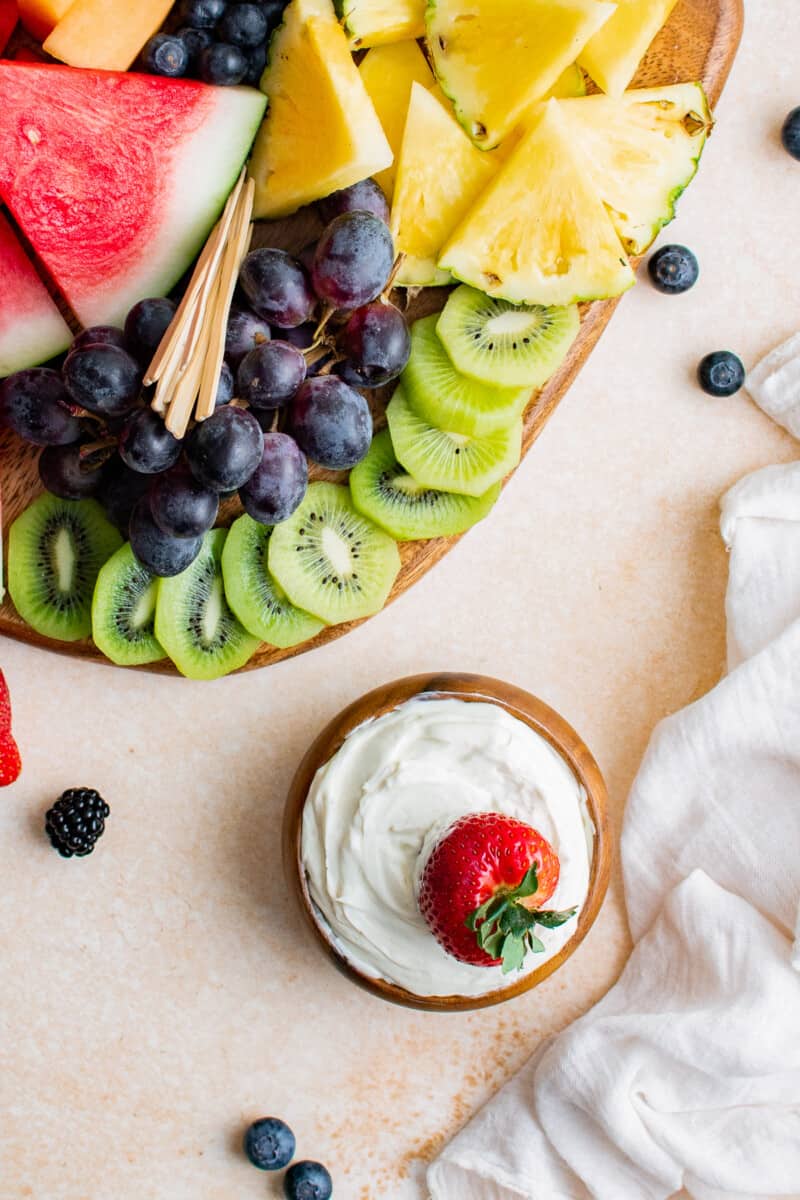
x: 289, y: 289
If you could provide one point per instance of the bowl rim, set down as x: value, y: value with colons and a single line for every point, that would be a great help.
x: 526, y: 707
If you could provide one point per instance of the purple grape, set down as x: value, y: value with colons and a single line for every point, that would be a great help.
x: 331, y: 422
x: 279, y: 482
x: 225, y: 386
x: 270, y: 375
x: 181, y: 506
x: 353, y: 261
x: 62, y: 473
x: 145, y: 326
x: 303, y: 337
x: 161, y: 554
x: 103, y: 379
x: 377, y: 344
x: 277, y: 287
x: 225, y: 450
x: 146, y: 445
x: 35, y: 405
x: 365, y: 196
x: 108, y: 335
x: 245, y: 332
x: 121, y: 490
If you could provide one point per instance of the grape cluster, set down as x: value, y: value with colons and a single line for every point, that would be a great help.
x: 222, y: 42
x: 293, y: 362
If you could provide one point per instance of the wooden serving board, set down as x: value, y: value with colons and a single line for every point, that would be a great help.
x: 698, y: 42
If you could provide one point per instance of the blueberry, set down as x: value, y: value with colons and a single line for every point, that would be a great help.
x: 673, y: 269
x: 721, y: 373
x: 307, y: 1181
x: 195, y: 41
x: 243, y: 25
x: 269, y: 1144
x: 222, y: 65
x: 256, y: 62
x: 201, y: 14
x: 790, y: 134
x: 166, y: 54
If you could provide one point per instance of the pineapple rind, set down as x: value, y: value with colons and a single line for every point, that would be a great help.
x: 617, y: 187
x: 490, y: 102
x: 506, y: 246
x: 381, y: 22
x: 433, y: 193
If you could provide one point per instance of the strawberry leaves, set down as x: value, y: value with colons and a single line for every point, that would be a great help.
x: 505, y: 929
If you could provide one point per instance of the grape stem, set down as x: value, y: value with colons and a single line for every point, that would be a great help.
x: 396, y: 265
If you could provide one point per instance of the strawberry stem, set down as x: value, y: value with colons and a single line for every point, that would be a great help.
x: 504, y: 928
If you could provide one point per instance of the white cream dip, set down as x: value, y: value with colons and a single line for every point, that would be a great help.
x: 377, y: 808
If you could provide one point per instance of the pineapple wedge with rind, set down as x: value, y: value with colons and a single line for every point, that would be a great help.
x: 321, y: 132
x: 388, y: 73
x: 642, y: 150
x: 433, y: 192
x: 540, y: 234
x: 380, y: 22
x: 494, y: 58
x: 613, y: 54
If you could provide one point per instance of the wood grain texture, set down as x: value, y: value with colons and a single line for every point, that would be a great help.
x: 699, y: 42
x: 470, y: 688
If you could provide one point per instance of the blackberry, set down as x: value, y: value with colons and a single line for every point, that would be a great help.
x: 76, y: 821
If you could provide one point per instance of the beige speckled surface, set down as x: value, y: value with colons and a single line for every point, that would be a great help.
x: 157, y: 996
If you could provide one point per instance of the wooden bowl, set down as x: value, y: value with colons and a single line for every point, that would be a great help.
x: 534, y: 713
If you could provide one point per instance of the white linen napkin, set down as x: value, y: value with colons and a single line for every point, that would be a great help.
x: 687, y: 1074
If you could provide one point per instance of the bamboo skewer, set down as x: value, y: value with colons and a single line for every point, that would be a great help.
x: 187, y: 364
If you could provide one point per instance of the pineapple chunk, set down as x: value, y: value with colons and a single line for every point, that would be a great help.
x: 434, y: 191
x: 388, y: 73
x: 378, y: 22
x: 321, y: 132
x: 642, y: 150
x: 540, y: 234
x: 613, y: 54
x: 495, y: 57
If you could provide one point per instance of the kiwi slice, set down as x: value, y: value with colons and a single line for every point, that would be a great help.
x: 332, y: 561
x: 55, y: 551
x: 384, y: 491
x: 124, y: 611
x: 193, y: 621
x: 513, y: 345
x: 449, y: 461
x: 256, y: 598
x: 444, y: 397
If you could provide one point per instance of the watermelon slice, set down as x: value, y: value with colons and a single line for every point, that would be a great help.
x: 31, y: 327
x: 116, y: 179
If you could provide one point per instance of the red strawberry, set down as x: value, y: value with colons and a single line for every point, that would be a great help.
x: 10, y: 762
x: 482, y: 886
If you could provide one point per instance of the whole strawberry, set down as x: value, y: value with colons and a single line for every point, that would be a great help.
x: 10, y: 761
x: 482, y: 888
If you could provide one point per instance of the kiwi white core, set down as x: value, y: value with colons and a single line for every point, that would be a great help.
x: 64, y: 561
x: 511, y: 322
x: 213, y: 611
x: 337, y: 551
x: 145, y: 607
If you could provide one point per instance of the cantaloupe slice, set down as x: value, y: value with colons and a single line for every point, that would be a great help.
x: 321, y: 132
x: 540, y: 234
x: 612, y: 55
x: 106, y: 35
x: 494, y: 58
x: 434, y: 191
x: 388, y: 73
x: 40, y: 16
